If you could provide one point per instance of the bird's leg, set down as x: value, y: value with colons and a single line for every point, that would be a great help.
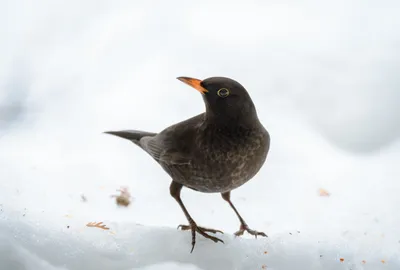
x: 243, y: 225
x: 175, y: 190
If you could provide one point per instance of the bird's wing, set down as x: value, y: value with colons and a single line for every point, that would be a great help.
x: 164, y: 150
x: 174, y: 145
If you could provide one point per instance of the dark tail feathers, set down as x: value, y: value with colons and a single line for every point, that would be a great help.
x: 132, y: 135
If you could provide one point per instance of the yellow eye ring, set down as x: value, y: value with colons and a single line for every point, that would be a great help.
x: 223, y: 92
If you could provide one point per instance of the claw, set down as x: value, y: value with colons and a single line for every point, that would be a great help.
x: 246, y: 228
x: 188, y: 227
x: 183, y: 227
x: 194, y: 228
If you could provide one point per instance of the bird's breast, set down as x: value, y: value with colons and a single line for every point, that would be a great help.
x: 225, y: 164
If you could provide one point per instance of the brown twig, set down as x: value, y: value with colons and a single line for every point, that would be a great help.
x: 97, y: 225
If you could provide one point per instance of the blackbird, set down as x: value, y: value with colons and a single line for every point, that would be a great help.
x: 216, y: 151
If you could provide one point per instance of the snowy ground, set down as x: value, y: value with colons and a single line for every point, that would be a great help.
x: 324, y: 77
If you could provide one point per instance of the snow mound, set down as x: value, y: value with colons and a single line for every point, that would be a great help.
x: 27, y: 244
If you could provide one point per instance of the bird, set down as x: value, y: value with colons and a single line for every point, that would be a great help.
x: 215, y: 151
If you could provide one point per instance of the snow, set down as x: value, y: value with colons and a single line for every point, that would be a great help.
x: 324, y: 77
x: 130, y: 244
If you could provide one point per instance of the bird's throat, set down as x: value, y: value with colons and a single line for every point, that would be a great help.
x: 247, y: 119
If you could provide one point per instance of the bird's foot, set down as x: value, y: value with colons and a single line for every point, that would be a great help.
x: 188, y: 227
x: 246, y: 228
x: 194, y: 228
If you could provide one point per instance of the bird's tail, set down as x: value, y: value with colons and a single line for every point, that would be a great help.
x: 132, y: 135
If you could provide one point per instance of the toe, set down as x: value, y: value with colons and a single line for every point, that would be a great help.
x: 256, y: 233
x: 183, y: 227
x: 213, y: 238
x: 212, y: 230
x: 239, y: 233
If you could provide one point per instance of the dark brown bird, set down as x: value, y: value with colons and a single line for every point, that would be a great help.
x: 216, y: 151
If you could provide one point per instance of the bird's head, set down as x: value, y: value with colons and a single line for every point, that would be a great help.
x: 226, y: 100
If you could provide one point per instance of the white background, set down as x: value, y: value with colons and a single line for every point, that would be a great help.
x: 323, y: 75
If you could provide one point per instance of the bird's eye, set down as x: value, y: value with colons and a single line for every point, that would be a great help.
x: 223, y: 92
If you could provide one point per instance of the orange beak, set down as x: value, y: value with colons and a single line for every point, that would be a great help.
x: 195, y: 83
